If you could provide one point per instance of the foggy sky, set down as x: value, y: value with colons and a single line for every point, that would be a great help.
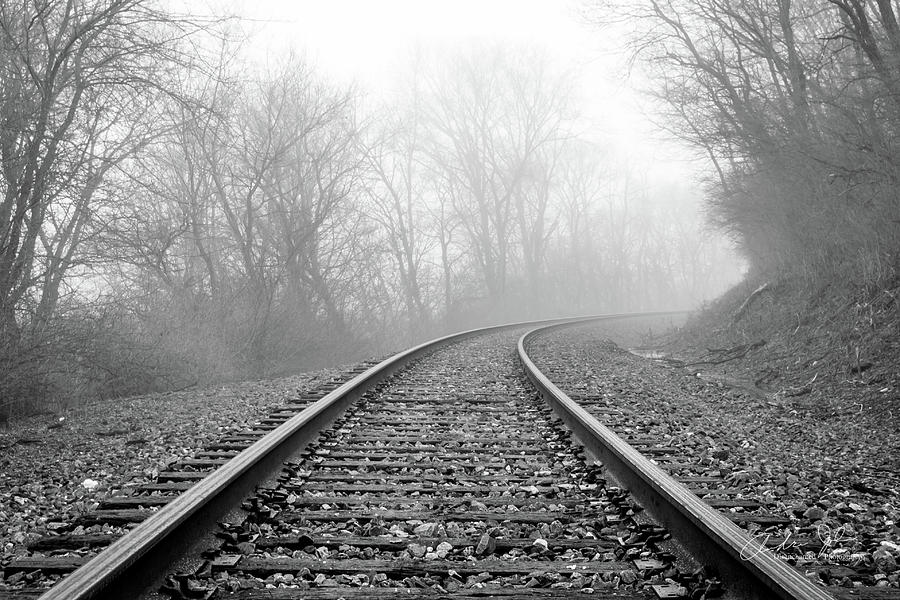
x: 371, y: 42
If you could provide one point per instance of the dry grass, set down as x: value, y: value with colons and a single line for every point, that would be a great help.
x: 830, y: 348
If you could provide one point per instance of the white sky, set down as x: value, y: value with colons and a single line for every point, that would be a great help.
x: 370, y: 42
x: 362, y: 37
x: 367, y: 41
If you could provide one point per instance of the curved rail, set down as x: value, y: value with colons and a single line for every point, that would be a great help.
x: 136, y: 562
x: 752, y: 571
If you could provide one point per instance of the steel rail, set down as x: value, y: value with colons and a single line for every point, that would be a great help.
x: 135, y: 564
x: 747, y: 567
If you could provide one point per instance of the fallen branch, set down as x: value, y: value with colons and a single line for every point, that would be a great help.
x: 804, y: 389
x: 737, y: 384
x: 745, y: 306
x: 730, y: 354
x: 675, y: 362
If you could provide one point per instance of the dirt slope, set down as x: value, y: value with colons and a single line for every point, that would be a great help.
x: 827, y: 353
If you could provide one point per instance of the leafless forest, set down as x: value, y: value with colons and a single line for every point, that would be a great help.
x: 796, y: 105
x: 172, y: 215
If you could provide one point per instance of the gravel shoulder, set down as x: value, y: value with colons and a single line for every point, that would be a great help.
x: 833, y: 472
x: 53, y: 468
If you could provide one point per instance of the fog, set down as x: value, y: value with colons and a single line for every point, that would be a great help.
x: 633, y: 236
x: 279, y: 186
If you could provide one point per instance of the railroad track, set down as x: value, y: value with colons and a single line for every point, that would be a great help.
x: 673, y: 436
x: 57, y: 555
x: 439, y: 473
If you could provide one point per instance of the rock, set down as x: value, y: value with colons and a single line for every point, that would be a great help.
x: 628, y: 576
x: 425, y: 529
x: 443, y: 549
x: 884, y: 560
x: 416, y: 550
x: 253, y: 584
x: 480, y: 578
x: 15, y: 577
x: 486, y: 545
x: 815, y: 513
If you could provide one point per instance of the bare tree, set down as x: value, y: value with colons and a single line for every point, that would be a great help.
x: 248, y: 195
x: 795, y: 105
x: 79, y: 83
x: 492, y: 113
x: 398, y: 191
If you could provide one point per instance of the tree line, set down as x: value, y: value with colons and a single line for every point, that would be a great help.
x: 796, y: 105
x: 171, y: 216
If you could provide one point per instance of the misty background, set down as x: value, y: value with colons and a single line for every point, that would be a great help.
x: 198, y: 194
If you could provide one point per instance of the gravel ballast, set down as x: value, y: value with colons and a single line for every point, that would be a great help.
x: 55, y: 468
x: 831, y: 473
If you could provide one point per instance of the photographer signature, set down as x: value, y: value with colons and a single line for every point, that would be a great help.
x: 830, y: 537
